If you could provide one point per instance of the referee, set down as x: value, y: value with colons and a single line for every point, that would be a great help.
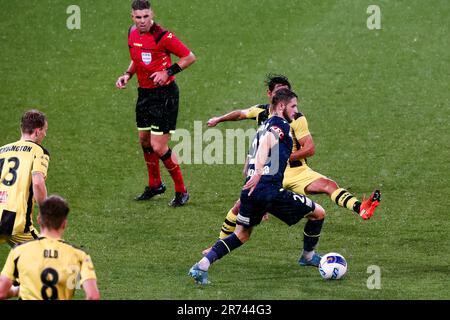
x: 150, y: 48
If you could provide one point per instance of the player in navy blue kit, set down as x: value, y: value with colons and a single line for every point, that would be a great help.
x: 263, y: 190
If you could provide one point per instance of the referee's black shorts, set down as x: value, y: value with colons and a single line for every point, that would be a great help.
x: 157, y: 109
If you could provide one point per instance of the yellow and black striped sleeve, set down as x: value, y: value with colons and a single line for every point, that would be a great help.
x: 254, y: 111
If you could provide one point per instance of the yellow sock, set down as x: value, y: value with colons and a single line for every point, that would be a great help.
x: 228, y: 225
x: 345, y: 199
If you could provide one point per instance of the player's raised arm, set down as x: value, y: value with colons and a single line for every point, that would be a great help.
x: 231, y: 116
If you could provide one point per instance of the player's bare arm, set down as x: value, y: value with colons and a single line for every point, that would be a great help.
x: 91, y: 290
x: 7, y: 290
x: 268, y: 141
x: 39, y: 188
x: 244, y: 172
x: 122, y: 81
x: 161, y: 77
x: 307, y: 149
x: 231, y: 116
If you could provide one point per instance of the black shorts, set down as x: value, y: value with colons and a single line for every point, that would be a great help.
x: 286, y: 205
x: 157, y: 109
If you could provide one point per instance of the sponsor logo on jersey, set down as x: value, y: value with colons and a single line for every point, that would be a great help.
x: 146, y: 57
x: 137, y: 44
x: 277, y: 131
x: 3, y: 196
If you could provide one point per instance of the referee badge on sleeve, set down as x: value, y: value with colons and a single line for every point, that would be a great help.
x: 146, y: 57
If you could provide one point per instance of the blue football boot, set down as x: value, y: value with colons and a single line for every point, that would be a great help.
x: 315, y: 260
x: 200, y: 276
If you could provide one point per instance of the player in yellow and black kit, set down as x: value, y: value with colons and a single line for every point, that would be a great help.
x: 298, y: 177
x: 23, y: 170
x: 48, y: 267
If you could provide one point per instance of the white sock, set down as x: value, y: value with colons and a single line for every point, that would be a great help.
x: 204, y: 264
x: 308, y: 254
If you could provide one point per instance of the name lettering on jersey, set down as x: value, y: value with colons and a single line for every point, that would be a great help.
x: 277, y: 131
x: 137, y: 44
x: 146, y: 57
x: 3, y: 196
x: 16, y: 149
x: 49, y: 253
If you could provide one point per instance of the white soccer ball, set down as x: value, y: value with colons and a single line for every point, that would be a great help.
x: 332, y: 266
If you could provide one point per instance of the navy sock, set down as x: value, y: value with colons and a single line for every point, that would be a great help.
x: 223, y: 247
x: 311, y: 234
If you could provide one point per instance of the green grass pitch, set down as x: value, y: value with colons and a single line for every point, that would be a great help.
x: 378, y: 106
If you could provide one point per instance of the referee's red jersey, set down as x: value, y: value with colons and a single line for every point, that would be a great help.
x: 151, y: 51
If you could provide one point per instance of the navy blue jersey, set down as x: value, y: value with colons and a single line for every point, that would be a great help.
x: 273, y: 170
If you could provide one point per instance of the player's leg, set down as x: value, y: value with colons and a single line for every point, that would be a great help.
x: 312, y: 182
x: 311, y: 235
x: 250, y: 214
x: 290, y: 208
x: 222, y: 247
x: 345, y: 199
x: 229, y: 225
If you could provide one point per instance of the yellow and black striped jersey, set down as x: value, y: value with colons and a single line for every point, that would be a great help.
x: 299, y: 130
x: 18, y: 161
x: 48, y: 269
x: 259, y: 112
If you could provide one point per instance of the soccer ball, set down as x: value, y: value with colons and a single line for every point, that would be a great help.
x: 332, y: 266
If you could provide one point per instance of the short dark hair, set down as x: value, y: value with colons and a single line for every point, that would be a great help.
x: 53, y: 212
x: 283, y: 95
x: 273, y: 79
x: 140, y: 5
x: 32, y: 119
